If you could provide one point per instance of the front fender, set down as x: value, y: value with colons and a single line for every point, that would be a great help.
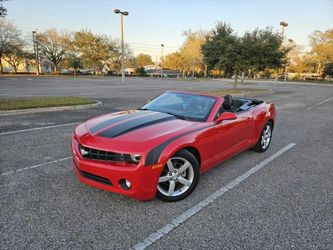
x: 172, y: 149
x: 201, y: 139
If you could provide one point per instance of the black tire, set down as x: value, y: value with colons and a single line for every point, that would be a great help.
x: 259, y: 147
x: 192, y: 173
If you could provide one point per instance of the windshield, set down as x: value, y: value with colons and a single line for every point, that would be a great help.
x: 185, y: 106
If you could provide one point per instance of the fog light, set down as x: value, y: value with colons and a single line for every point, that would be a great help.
x: 125, y: 184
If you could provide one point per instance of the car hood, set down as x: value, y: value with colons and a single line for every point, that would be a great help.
x: 132, y: 131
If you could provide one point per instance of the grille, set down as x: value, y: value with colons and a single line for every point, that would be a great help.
x: 95, y: 178
x: 95, y: 154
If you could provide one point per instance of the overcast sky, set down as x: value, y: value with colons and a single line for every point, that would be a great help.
x: 152, y: 22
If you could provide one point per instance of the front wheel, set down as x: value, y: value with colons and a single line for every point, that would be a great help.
x: 265, y: 138
x: 179, y: 177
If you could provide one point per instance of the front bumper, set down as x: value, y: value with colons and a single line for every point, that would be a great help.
x: 107, y: 176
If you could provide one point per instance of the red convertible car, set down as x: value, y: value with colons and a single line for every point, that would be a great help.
x: 162, y: 148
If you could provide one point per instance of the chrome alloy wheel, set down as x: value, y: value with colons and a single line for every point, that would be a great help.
x: 176, y: 177
x: 266, y: 136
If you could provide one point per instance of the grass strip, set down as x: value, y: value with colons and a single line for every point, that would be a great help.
x: 43, y: 102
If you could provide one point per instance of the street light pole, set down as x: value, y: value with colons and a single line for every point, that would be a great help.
x: 122, y: 13
x: 162, y: 46
x: 122, y: 49
x: 283, y: 25
x: 290, y: 42
x: 36, y: 51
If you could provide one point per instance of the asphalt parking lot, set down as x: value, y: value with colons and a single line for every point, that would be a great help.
x: 285, y: 204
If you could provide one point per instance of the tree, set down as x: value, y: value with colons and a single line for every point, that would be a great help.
x: 9, y: 39
x: 261, y: 49
x: 222, y: 49
x: 140, y: 71
x: 191, y: 50
x: 143, y: 60
x: 53, y: 46
x: 175, y: 61
x: 322, y: 49
x: 297, y: 60
x: 328, y: 71
x: 73, y: 56
x: 256, y: 50
x: 3, y: 10
x: 115, y: 58
x: 15, y: 57
x: 72, y: 60
x: 131, y: 62
x: 94, y: 48
x: 189, y: 58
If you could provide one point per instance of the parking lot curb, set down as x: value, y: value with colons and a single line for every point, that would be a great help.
x: 50, y: 109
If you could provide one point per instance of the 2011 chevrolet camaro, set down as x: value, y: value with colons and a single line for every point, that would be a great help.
x: 162, y: 148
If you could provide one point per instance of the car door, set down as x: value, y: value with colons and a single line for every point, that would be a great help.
x: 232, y: 136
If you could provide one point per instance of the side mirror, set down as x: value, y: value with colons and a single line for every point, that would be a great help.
x: 226, y: 116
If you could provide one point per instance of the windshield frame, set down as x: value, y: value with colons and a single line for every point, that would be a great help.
x: 189, y: 118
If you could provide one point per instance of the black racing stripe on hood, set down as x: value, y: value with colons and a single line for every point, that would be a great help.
x: 131, y: 125
x: 154, y: 154
x: 114, y: 120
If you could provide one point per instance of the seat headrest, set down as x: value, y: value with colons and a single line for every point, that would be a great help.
x: 228, y: 102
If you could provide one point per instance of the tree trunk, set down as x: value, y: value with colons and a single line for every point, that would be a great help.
x: 94, y: 69
x: 276, y: 76
x: 1, y: 67
x: 236, y: 81
x: 205, y: 71
x: 318, y: 69
x: 243, y: 75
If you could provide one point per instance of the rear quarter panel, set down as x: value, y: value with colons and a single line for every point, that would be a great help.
x: 261, y: 114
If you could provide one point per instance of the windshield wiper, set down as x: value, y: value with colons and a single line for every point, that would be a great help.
x: 177, y: 116
x: 144, y: 109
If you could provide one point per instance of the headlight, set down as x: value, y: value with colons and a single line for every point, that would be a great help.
x: 83, y: 151
x: 131, y: 158
x: 95, y: 154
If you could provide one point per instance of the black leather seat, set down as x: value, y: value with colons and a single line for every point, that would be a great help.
x: 228, y: 103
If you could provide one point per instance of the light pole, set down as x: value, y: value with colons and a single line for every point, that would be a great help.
x: 122, y: 13
x: 290, y: 45
x: 162, y: 46
x: 36, y: 51
x: 283, y: 25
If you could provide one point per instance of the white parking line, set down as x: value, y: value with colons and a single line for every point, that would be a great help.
x: 152, y: 238
x: 34, y: 166
x: 39, y: 128
x: 319, y: 103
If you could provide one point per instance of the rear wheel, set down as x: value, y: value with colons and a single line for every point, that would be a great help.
x: 265, y: 138
x: 179, y: 177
